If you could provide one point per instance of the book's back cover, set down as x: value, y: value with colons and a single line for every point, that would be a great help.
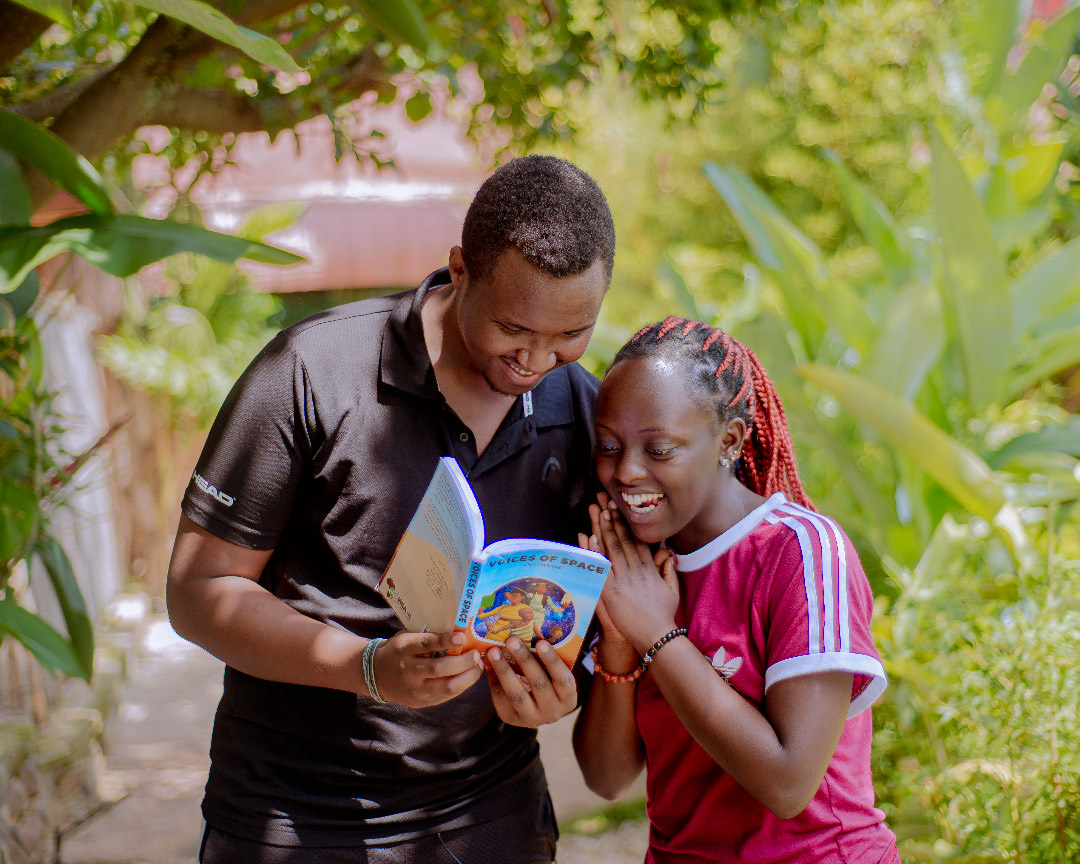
x: 425, y: 578
x: 538, y: 591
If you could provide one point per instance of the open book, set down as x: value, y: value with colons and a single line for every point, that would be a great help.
x: 442, y: 577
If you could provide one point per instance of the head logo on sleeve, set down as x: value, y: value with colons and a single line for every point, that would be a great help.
x: 210, y: 489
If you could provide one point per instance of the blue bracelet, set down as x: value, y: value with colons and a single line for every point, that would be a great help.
x: 369, y: 669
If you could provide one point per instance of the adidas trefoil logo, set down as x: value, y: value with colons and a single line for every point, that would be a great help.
x: 725, y: 667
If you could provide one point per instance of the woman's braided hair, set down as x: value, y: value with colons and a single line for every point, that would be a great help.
x: 726, y: 374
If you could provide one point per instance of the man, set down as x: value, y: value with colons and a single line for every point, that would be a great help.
x: 310, y: 476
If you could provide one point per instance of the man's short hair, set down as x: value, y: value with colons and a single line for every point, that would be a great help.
x: 551, y: 211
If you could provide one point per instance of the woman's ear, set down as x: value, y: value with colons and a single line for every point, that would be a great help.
x: 732, y: 438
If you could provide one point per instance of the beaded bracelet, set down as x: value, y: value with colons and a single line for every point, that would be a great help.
x: 660, y: 643
x: 628, y: 678
x: 369, y: 669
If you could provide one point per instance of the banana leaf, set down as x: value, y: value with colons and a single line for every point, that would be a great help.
x: 43, y: 641
x: 55, y: 159
x: 974, y: 277
x: 121, y: 245
x: 72, y: 603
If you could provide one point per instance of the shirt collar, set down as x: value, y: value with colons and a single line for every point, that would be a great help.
x: 406, y: 364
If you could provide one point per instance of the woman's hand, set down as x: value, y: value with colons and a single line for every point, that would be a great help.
x: 641, y: 595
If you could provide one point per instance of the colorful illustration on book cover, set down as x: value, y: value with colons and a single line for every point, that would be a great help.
x: 529, y: 608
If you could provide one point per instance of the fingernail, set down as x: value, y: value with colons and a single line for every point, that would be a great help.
x: 458, y: 638
x: 494, y: 655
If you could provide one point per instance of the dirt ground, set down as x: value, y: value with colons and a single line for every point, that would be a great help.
x: 156, y: 753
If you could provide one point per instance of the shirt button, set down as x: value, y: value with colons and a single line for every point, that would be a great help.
x: 463, y: 437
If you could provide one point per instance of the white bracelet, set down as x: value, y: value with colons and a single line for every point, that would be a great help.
x: 369, y: 669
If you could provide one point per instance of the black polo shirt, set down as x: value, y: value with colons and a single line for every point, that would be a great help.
x: 322, y: 452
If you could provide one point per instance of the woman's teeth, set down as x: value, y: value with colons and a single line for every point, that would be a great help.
x: 642, y: 503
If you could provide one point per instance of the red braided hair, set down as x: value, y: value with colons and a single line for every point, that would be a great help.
x: 733, y: 376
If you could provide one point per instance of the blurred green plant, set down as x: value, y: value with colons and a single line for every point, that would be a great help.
x: 925, y: 380
x: 35, y: 473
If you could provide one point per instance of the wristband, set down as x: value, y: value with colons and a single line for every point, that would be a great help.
x: 369, y: 669
x: 660, y: 643
x: 628, y: 678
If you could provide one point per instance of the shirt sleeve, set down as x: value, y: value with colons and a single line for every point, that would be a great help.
x: 244, y: 484
x: 820, y: 609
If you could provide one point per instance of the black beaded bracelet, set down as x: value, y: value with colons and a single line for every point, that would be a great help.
x: 660, y: 643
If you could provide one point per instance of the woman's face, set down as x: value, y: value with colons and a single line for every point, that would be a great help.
x: 658, y: 453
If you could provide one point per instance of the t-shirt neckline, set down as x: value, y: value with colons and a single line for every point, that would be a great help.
x: 719, y: 545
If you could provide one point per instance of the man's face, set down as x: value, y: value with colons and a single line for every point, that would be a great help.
x: 520, y: 322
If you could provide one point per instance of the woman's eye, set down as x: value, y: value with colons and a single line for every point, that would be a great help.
x: 660, y: 452
x: 607, y: 448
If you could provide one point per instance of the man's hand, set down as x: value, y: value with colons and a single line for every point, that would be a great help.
x: 406, y: 671
x: 537, y: 692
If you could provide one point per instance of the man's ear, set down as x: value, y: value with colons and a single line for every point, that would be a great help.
x: 459, y: 274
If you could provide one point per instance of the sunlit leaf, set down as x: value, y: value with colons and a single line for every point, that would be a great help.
x: 40, y: 639
x: 121, y: 245
x: 56, y: 10
x: 990, y: 27
x: 1034, y: 165
x: 72, y: 603
x: 974, y: 276
x: 814, y: 300
x: 55, y: 159
x: 956, y: 468
x: 910, y: 341
x: 1014, y: 93
x: 1040, y: 359
x: 1045, y: 289
x: 208, y: 20
x: 1063, y: 438
x: 401, y: 20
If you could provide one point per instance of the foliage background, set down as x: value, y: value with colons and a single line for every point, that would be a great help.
x: 880, y: 198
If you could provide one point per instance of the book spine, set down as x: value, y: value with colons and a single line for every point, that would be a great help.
x: 468, y: 595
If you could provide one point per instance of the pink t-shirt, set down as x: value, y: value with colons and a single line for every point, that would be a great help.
x: 778, y: 595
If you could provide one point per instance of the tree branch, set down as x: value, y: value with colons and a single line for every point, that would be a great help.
x: 19, y: 29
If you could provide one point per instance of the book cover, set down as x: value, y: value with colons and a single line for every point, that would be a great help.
x: 442, y: 577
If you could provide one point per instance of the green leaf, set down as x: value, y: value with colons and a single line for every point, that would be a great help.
x: 990, y: 26
x: 876, y: 224
x: 685, y: 302
x: 55, y: 159
x: 1045, y: 289
x: 910, y: 341
x: 15, y: 206
x: 974, y: 276
x: 72, y: 604
x: 56, y: 10
x: 206, y: 19
x: 400, y: 20
x: 1042, y: 358
x: 1064, y: 438
x: 418, y: 106
x: 1015, y: 93
x: 19, y: 511
x: 121, y: 245
x: 954, y: 467
x: 40, y: 639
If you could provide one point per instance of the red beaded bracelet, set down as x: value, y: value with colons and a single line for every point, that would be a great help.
x: 628, y: 678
